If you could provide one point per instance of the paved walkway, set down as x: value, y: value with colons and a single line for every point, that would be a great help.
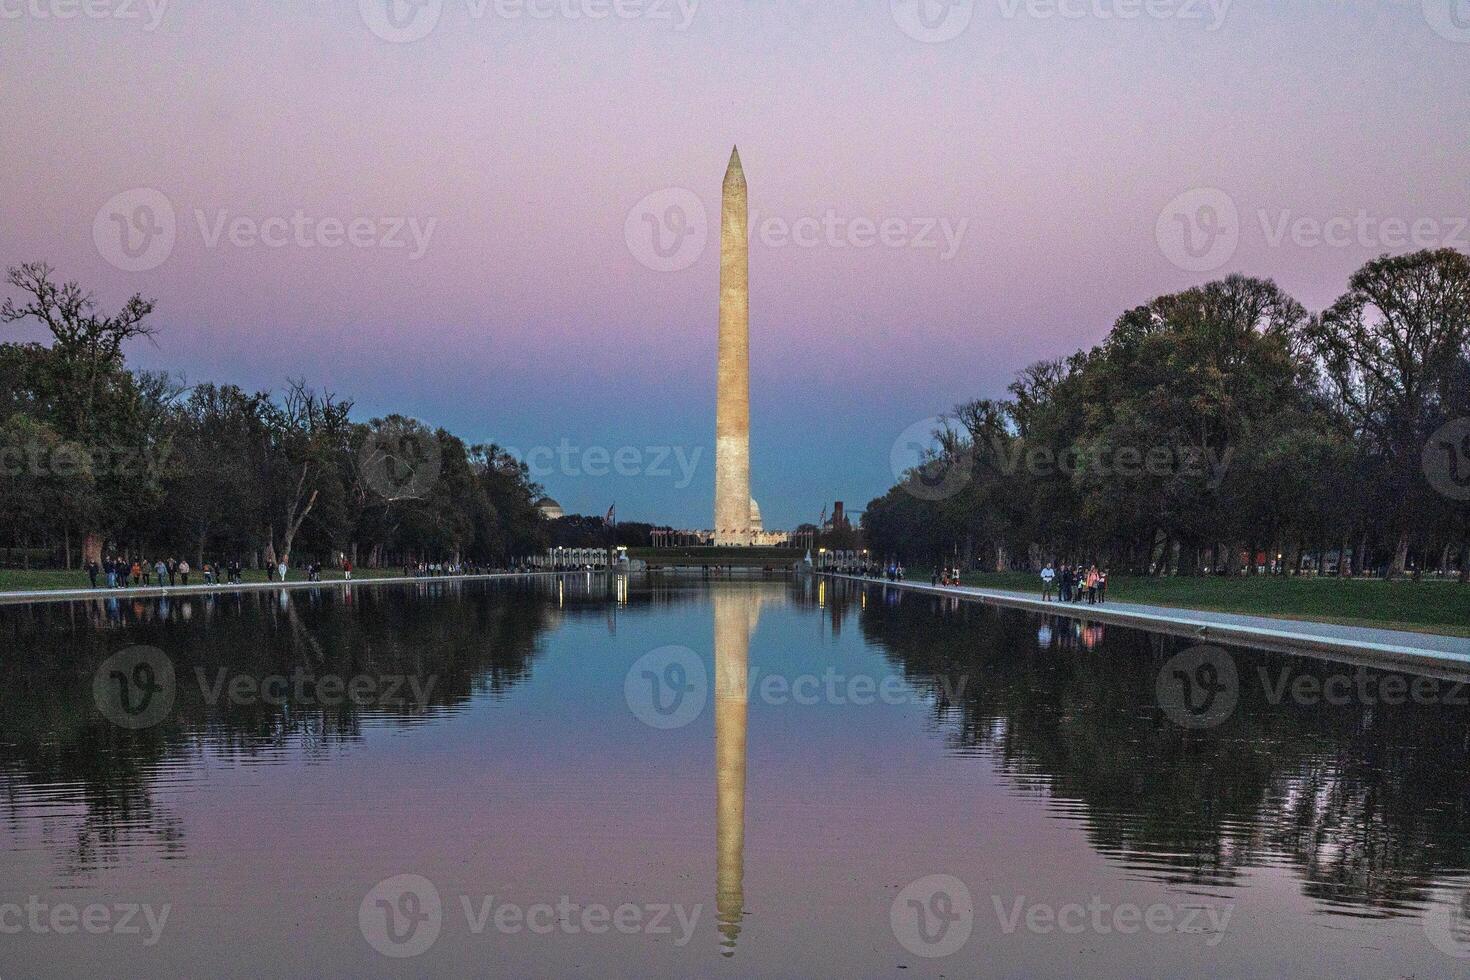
x: 155, y: 591
x: 1427, y: 652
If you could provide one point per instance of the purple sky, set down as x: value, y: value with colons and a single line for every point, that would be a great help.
x: 516, y: 151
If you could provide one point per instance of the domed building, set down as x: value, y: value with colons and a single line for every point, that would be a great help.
x: 550, y: 509
x: 755, y: 516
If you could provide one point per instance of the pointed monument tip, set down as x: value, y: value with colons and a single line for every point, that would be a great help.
x: 734, y: 167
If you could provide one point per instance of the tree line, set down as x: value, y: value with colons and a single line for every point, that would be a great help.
x: 96, y: 458
x: 1215, y: 425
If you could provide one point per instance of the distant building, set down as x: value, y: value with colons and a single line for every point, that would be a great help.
x: 550, y: 509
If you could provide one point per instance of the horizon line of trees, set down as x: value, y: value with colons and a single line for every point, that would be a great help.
x: 1213, y: 425
x: 98, y: 459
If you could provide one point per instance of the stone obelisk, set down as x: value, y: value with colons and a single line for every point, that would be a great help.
x: 732, y: 408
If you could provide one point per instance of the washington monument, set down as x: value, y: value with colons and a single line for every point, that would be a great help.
x: 733, y: 503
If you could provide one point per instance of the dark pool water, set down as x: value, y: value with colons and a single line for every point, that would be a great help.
x: 680, y: 777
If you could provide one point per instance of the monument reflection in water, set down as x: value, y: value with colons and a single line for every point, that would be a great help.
x: 1023, y: 757
x: 735, y: 616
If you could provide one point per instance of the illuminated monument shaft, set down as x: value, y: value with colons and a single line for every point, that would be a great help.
x: 732, y: 409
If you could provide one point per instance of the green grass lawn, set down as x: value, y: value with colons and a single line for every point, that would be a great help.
x: 1426, y: 607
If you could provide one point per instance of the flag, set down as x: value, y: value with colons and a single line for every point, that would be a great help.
x: 611, y: 518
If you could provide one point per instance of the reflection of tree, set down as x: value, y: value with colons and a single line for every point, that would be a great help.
x: 1368, y: 805
x: 59, y: 756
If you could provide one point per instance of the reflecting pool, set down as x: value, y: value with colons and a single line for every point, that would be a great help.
x: 677, y: 776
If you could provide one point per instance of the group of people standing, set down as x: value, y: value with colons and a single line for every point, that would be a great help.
x: 120, y: 573
x: 1073, y: 584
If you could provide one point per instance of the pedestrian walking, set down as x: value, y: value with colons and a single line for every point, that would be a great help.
x: 1048, y: 576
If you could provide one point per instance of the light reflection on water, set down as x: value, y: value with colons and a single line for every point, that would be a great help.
x: 495, y: 755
